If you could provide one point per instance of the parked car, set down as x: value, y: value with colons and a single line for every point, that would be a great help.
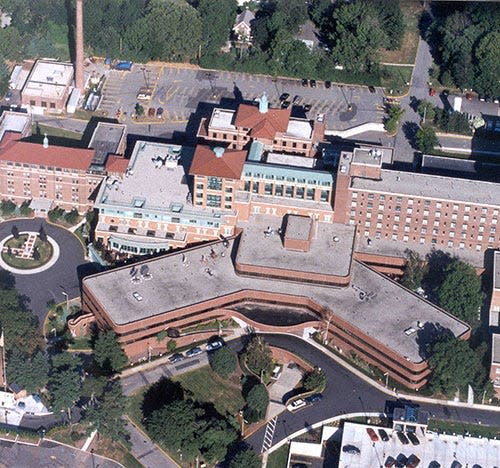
x: 177, y: 357
x: 194, y: 351
x: 296, y: 405
x: 383, y: 435
x: 159, y: 112
x: 173, y: 332
x: 320, y: 117
x: 285, y: 104
x: 312, y: 83
x: 314, y: 398
x: 432, y: 92
x: 372, y: 89
x: 391, y: 461
x: 8, y: 96
x: 402, y: 438
x: 299, y: 465
x: 351, y: 449
x: 305, y: 82
x: 137, y: 296
x: 151, y: 112
x: 469, y: 96
x: 297, y: 99
x: 373, y: 435
x: 328, y: 84
x: 284, y: 96
x: 213, y: 345
x: 144, y: 94
x: 413, y: 461
x: 307, y: 107
x: 413, y: 438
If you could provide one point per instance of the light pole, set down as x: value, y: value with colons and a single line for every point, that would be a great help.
x: 386, y: 374
x: 65, y: 294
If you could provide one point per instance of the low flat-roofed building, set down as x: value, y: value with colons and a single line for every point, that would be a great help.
x: 150, y: 208
x: 107, y: 139
x: 47, y: 87
x: 296, y: 248
x: 371, y: 316
x: 494, y: 322
x: 434, y: 450
x: 15, y: 122
x: 495, y: 362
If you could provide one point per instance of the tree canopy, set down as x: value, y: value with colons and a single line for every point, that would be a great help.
x: 245, y: 459
x: 217, y: 18
x: 315, y: 380
x: 257, y: 400
x: 64, y: 382
x: 426, y: 139
x: 108, y: 354
x: 449, y: 372
x: 223, y: 362
x: 415, y: 269
x: 258, y: 356
x: 460, y: 293
x: 29, y: 372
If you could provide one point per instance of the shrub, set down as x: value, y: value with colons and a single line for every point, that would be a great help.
x: 72, y: 216
x: 315, y: 380
x: 257, y: 401
x: 7, y: 207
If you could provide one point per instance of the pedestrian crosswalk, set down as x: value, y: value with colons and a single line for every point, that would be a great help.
x: 269, y: 434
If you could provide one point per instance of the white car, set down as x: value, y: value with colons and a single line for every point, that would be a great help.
x: 296, y: 405
x: 137, y: 296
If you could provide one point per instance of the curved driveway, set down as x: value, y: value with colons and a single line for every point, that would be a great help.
x: 48, y: 285
x: 346, y: 393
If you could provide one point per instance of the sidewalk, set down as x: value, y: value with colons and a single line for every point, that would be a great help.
x: 148, y: 453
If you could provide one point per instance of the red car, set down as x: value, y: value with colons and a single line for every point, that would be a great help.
x: 372, y: 434
x: 432, y: 92
x: 469, y: 96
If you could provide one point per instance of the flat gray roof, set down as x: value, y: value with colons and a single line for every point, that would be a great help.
x: 432, y: 186
x: 326, y: 256
x: 298, y: 227
x: 148, y: 183
x: 13, y: 122
x: 198, y: 274
x: 396, y: 248
x: 444, y: 449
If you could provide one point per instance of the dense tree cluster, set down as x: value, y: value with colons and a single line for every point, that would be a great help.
x: 467, y: 45
x: 350, y: 33
x: 223, y: 362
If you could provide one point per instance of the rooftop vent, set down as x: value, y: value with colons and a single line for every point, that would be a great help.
x: 336, y: 238
x: 219, y: 151
x: 45, y: 141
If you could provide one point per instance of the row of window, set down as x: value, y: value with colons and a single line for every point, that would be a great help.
x: 287, y: 191
x: 298, y: 180
x: 52, y: 105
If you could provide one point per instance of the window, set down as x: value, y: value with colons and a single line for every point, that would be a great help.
x: 52, y: 105
x: 324, y: 195
x: 44, y: 103
x: 278, y: 190
x: 32, y: 103
x: 299, y: 192
x: 255, y: 187
x: 199, y: 186
x: 214, y: 183
x: 268, y: 188
x: 310, y: 195
x: 212, y: 200
x: 289, y: 191
x: 247, y: 186
x: 229, y: 189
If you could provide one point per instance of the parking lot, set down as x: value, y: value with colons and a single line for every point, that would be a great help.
x: 434, y: 450
x: 178, y: 91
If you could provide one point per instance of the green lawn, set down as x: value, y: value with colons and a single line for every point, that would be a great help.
x: 56, y: 135
x: 474, y: 430
x: 395, y: 78
x: 279, y: 458
x: 206, y: 386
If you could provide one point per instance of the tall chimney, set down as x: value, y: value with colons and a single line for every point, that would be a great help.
x: 79, y: 46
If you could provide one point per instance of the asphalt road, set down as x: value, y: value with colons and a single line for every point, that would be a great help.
x: 49, y: 454
x: 49, y: 285
x: 346, y: 393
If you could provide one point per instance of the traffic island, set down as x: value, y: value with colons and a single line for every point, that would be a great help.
x: 28, y: 253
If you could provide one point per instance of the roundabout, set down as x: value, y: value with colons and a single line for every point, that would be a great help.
x: 61, y: 273
x: 28, y: 254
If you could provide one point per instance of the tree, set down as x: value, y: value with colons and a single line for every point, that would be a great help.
x: 171, y: 345
x: 315, y: 380
x: 4, y: 77
x: 108, y: 353
x: 139, y: 110
x: 394, y: 115
x: 217, y: 17
x: 294, y: 12
x: 11, y: 43
x: 454, y: 366
x: 29, y: 372
x: 216, y: 437
x: 356, y: 34
x: 392, y: 21
x: 460, y: 293
x: 65, y: 382
x: 169, y: 31
x: 257, y: 401
x: 426, y: 110
x: 36, y: 254
x: 415, y: 270
x: 258, y: 356
x: 106, y: 416
x: 176, y: 426
x: 15, y: 232
x: 7, y: 207
x: 223, y: 362
x: 42, y: 234
x: 245, y: 459
x: 487, y: 56
x: 71, y: 217
x: 426, y: 139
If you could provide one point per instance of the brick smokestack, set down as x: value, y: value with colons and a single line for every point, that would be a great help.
x: 79, y: 46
